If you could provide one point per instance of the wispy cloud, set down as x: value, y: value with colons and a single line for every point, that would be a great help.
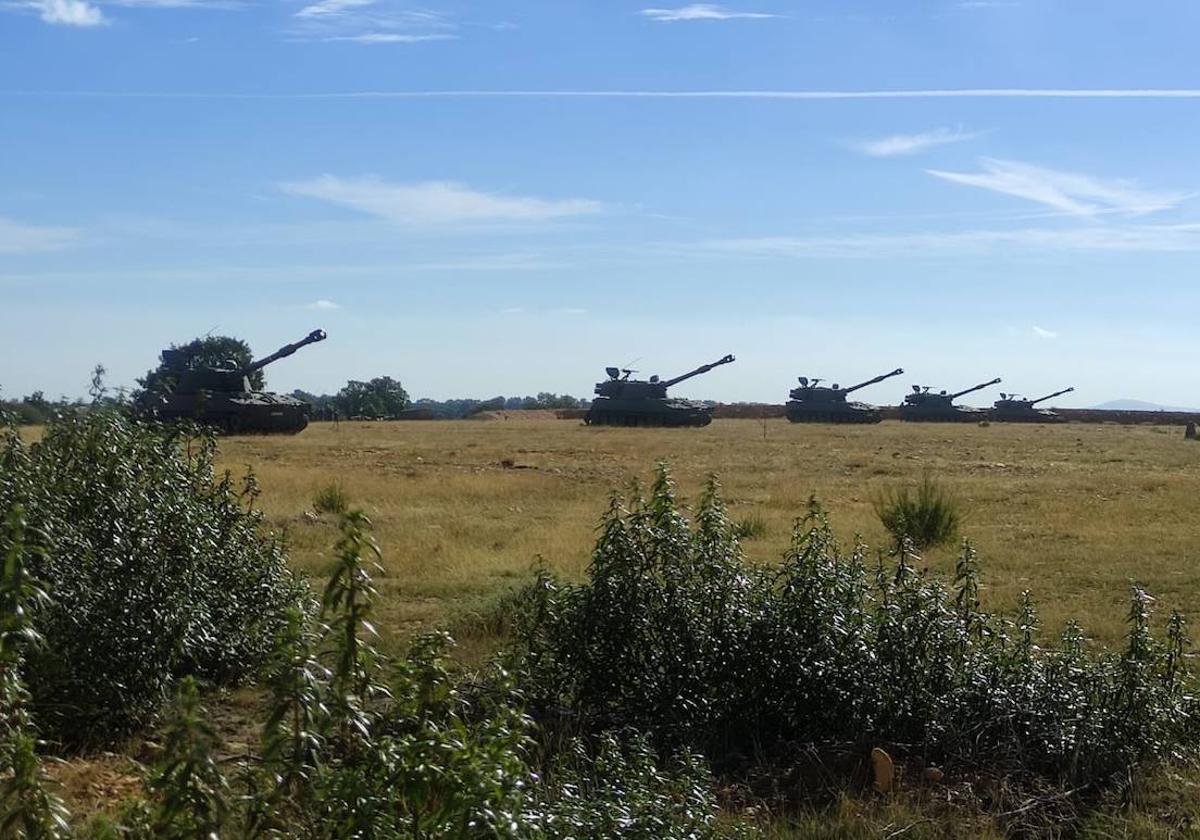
x: 782, y: 95
x: 323, y: 305
x: 1068, y: 192
x: 177, y: 4
x: 18, y: 238
x: 1092, y: 238
x: 435, y: 202
x: 369, y: 22
x: 910, y: 144
x: 1042, y: 332
x: 389, y: 38
x: 328, y: 8
x: 701, y: 11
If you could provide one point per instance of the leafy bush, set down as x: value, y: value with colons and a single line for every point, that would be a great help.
x: 675, y: 635
x: 157, y: 569
x: 28, y: 805
x: 927, y: 516
x: 332, y: 498
x: 356, y: 746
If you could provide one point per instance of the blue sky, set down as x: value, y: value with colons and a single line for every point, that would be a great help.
x: 505, y: 197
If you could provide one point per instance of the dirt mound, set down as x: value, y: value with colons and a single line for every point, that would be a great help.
x: 521, y: 414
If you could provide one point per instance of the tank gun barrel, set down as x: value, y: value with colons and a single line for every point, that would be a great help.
x: 1051, y: 396
x: 978, y: 387
x: 879, y: 378
x: 724, y: 360
x: 285, y: 351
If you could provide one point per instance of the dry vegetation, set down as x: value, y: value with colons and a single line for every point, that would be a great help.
x: 463, y: 509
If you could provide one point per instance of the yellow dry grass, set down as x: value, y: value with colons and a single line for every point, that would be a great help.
x: 463, y: 509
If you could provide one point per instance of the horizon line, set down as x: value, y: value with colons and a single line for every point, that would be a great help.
x: 814, y: 95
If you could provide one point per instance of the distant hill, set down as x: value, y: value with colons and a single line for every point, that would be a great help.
x: 1139, y: 405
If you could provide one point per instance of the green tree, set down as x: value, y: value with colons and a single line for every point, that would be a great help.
x: 380, y: 397
x: 209, y: 351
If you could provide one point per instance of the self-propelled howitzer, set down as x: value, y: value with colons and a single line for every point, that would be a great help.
x: 922, y: 405
x: 621, y: 401
x: 812, y: 403
x: 224, y: 398
x: 1012, y: 409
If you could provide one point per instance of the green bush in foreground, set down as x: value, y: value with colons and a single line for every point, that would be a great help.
x: 927, y: 516
x: 355, y: 746
x: 156, y: 566
x: 674, y: 634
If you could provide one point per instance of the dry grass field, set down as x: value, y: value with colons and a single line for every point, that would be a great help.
x: 463, y: 510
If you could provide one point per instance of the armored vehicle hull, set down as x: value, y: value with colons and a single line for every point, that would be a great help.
x: 618, y: 412
x: 1025, y: 415
x: 953, y: 414
x: 832, y: 412
x: 251, y: 412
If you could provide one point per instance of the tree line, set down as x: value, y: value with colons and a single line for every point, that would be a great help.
x: 380, y: 398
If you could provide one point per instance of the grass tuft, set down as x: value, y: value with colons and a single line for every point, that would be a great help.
x: 750, y: 527
x: 927, y: 515
x: 332, y: 498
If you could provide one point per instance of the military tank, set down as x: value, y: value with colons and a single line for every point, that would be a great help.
x: 621, y: 401
x: 1011, y: 408
x: 811, y: 403
x: 224, y: 398
x: 922, y: 405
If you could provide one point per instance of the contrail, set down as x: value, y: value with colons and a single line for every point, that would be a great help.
x: 810, y: 95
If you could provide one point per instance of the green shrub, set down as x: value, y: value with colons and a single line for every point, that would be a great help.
x: 332, y: 498
x: 157, y: 567
x: 927, y: 515
x: 675, y: 635
x: 357, y: 746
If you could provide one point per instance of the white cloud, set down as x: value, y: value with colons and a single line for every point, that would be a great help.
x: 68, y: 12
x: 1068, y: 192
x: 1093, y: 238
x: 323, y: 305
x: 389, y: 38
x: 331, y: 7
x: 88, y: 13
x: 1041, y: 332
x: 17, y: 238
x: 176, y: 4
x: 910, y: 144
x: 783, y: 95
x: 435, y: 202
x: 700, y: 11
x: 369, y: 22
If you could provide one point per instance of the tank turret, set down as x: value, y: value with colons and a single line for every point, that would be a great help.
x: 223, y: 396
x: 811, y: 403
x: 924, y: 405
x: 621, y: 401
x: 1011, y: 408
